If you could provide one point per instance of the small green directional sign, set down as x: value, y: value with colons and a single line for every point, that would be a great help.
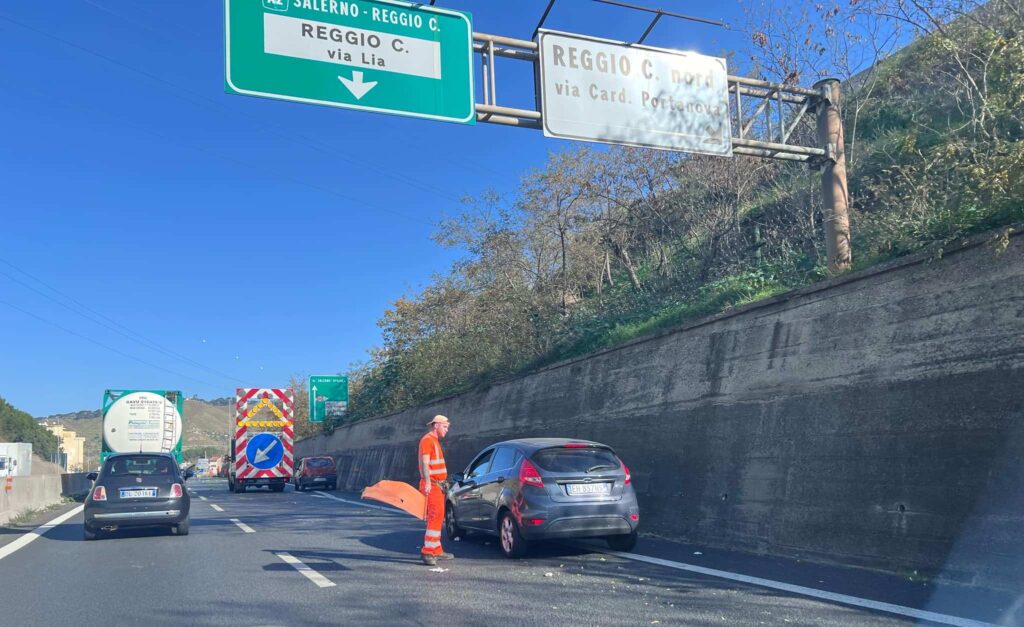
x: 328, y: 395
x: 372, y: 55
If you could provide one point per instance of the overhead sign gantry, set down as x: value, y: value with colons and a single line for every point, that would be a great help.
x: 411, y: 59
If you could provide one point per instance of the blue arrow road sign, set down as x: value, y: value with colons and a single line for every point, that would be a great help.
x: 264, y: 451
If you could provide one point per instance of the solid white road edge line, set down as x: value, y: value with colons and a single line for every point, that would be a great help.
x: 217, y: 507
x: 845, y: 599
x: 308, y: 572
x: 380, y: 507
x: 244, y: 527
x: 38, y: 531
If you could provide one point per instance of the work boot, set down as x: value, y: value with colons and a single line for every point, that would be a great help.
x: 429, y: 560
x: 445, y: 556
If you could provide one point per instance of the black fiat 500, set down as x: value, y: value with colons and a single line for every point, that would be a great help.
x: 137, y: 490
x: 543, y: 489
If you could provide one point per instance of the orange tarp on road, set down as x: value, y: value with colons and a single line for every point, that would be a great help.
x: 400, y: 495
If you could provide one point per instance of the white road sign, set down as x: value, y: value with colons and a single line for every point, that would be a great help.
x: 613, y: 92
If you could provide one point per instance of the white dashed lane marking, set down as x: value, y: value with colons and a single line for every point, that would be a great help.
x: 306, y: 571
x: 244, y: 527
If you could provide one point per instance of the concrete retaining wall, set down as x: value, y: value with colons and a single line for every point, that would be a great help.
x: 28, y: 493
x: 873, y: 420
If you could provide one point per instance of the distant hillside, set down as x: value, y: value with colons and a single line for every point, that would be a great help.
x: 205, y: 424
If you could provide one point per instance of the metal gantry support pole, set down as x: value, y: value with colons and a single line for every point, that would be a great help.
x: 835, y: 192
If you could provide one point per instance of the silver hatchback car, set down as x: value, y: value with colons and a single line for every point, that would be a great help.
x: 544, y: 489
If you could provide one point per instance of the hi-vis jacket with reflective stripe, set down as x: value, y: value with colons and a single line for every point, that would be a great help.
x: 430, y: 447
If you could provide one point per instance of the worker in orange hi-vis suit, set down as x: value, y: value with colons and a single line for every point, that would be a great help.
x: 433, y: 474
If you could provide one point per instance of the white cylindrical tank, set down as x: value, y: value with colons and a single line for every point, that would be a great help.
x: 142, y: 421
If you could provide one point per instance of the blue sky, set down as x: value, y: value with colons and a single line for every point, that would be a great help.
x: 157, y: 233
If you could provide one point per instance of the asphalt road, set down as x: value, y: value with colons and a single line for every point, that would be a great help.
x: 358, y: 565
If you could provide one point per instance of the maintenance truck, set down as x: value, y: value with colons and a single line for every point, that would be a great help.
x: 261, y: 449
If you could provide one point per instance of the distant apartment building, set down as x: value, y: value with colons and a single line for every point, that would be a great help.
x: 71, y: 445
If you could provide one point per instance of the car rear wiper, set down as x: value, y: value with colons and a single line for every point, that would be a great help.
x: 601, y: 467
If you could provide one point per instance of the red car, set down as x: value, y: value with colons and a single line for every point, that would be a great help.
x: 315, y: 472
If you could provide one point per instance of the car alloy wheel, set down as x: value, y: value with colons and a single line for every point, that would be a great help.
x: 512, y: 542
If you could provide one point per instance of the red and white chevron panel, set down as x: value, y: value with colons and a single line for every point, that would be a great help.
x: 244, y: 418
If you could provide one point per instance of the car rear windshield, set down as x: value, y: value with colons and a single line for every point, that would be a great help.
x: 320, y: 462
x: 584, y: 459
x: 149, y: 465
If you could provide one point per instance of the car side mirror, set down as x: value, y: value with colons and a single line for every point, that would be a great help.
x: 189, y: 474
x: 458, y: 477
x: 92, y: 476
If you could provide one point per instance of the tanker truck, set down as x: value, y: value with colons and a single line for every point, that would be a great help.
x: 142, y: 421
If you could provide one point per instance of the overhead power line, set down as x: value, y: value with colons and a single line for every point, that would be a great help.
x: 105, y: 346
x: 113, y: 325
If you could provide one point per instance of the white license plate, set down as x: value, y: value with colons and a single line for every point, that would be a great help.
x: 138, y: 493
x: 582, y: 489
x: 320, y: 479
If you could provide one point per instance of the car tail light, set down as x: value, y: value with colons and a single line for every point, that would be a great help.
x: 634, y: 516
x: 625, y: 469
x: 528, y: 475
x: 99, y: 493
x: 575, y: 445
x: 176, y: 491
x: 535, y: 521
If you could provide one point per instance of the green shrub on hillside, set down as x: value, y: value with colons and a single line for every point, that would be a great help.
x: 18, y: 426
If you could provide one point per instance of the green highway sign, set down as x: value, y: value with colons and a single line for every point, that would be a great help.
x: 371, y: 55
x: 328, y: 397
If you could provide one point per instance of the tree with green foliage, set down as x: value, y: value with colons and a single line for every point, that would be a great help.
x: 18, y: 426
x: 600, y: 246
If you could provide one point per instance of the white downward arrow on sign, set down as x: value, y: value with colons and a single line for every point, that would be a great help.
x: 356, y: 85
x: 261, y: 454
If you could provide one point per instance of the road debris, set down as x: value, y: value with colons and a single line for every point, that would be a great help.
x: 549, y: 574
x: 697, y: 553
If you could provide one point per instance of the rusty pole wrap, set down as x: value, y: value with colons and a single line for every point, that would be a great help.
x: 834, y: 190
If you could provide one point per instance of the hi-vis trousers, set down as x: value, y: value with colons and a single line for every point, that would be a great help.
x: 435, y: 519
